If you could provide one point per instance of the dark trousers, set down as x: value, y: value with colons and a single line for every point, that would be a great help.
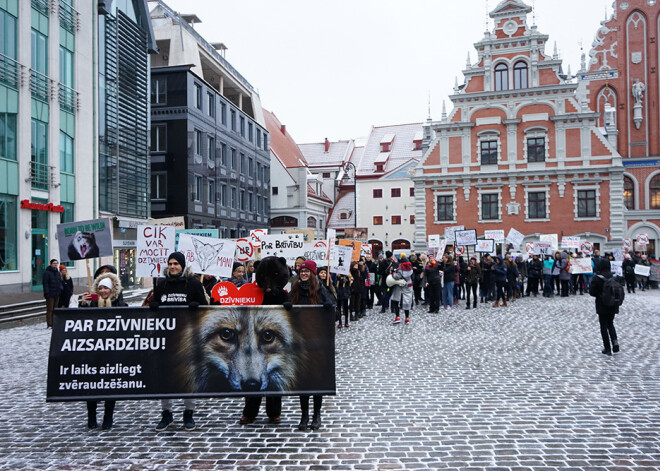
x: 471, y: 287
x: 304, y: 403
x: 417, y: 290
x: 342, y: 308
x: 356, y: 300
x: 384, y: 298
x: 500, y: 287
x: 51, y: 304
x: 607, y: 330
x: 370, y: 296
x: 434, y: 297
x: 109, y: 408
x: 556, y: 282
x: 564, y: 288
x: 273, y: 406
x: 533, y: 285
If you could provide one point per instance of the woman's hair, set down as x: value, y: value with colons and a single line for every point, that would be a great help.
x: 450, y: 259
x: 314, y: 288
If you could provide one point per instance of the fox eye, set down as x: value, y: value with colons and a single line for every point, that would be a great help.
x: 268, y: 336
x: 227, y: 334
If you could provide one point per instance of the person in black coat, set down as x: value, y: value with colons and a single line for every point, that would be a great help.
x: 52, y: 284
x: 67, y: 288
x: 178, y: 288
x: 534, y: 272
x: 499, y: 270
x: 605, y: 313
x: 433, y: 284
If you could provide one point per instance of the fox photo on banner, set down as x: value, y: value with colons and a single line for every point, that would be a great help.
x: 208, y: 256
x: 84, y: 239
x: 136, y: 353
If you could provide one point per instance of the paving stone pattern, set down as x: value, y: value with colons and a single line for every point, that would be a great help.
x: 522, y: 387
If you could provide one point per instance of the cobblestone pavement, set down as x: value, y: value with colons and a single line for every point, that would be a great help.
x: 523, y: 387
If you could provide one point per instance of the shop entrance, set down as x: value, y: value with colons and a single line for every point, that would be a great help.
x: 39, y: 248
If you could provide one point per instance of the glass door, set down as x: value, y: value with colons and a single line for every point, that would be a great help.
x: 39, y: 257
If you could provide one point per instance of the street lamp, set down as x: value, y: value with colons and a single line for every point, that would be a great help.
x: 347, y: 178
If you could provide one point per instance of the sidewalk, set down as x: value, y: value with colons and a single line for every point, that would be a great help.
x: 19, y: 298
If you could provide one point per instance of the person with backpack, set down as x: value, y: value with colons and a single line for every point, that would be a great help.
x: 609, y: 296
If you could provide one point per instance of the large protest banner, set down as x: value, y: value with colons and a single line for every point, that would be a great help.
x: 655, y: 271
x: 208, y: 256
x: 210, y: 233
x: 581, y: 265
x: 84, y: 239
x: 136, y: 353
x: 288, y: 246
x: 154, y: 244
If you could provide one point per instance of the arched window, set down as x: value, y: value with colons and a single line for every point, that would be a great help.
x: 520, y: 75
x: 283, y: 221
x: 628, y: 193
x: 501, y: 77
x: 311, y: 222
x: 654, y: 191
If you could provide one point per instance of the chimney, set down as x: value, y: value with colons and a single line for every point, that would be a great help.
x: 283, y: 129
x: 327, y: 145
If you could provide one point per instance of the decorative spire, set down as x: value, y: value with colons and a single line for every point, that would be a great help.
x: 468, y: 64
x: 555, y: 55
x: 533, y: 12
x: 455, y: 84
x: 429, y: 117
x: 444, y: 110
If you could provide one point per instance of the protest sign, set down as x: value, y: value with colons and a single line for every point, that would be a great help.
x: 136, y: 353
x: 211, y: 233
x: 319, y: 254
x: 255, y: 237
x: 244, y: 250
x: 466, y: 237
x: 529, y: 248
x: 642, y: 239
x: 459, y: 250
x: 228, y: 294
x: 618, y: 254
x: 586, y: 247
x: 514, y: 237
x: 307, y: 234
x: 570, y: 242
x: 208, y: 256
x: 84, y: 239
x: 616, y: 267
x: 449, y: 233
x: 289, y: 246
x: 178, y: 222
x: 642, y: 270
x: 581, y: 265
x: 365, y: 250
x: 655, y: 271
x: 340, y: 259
x: 434, y: 240
x: 542, y: 248
x: 496, y: 235
x: 442, y: 247
x: 360, y: 234
x: 485, y: 245
x: 552, y: 238
x: 627, y: 244
x: 154, y: 244
x: 354, y: 244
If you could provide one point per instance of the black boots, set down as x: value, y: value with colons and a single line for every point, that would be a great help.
x: 475, y: 303
x: 304, y: 421
x: 615, y: 346
x: 107, y: 421
x: 188, y: 422
x: 165, y: 421
x: 316, y: 420
x: 107, y: 416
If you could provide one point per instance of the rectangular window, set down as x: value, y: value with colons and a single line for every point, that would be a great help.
x: 396, y: 192
x: 586, y: 203
x: 412, y: 191
x: 67, y: 216
x: 250, y: 202
x: 199, y: 187
x: 242, y: 126
x: 244, y: 168
x: 223, y: 113
x: 259, y: 205
x: 234, y: 200
x: 211, y: 196
x: 159, y: 186
x: 158, y: 138
x: 265, y: 141
x: 39, y: 144
x: 66, y: 153
x: 396, y: 219
x: 198, y: 142
x: 198, y: 96
x: 233, y: 159
x: 536, y: 149
x: 159, y: 91
x: 259, y: 138
x: 445, y: 208
x: 488, y: 152
x: 223, y: 195
x: 412, y: 219
x: 210, y: 103
x: 250, y: 132
x: 233, y: 120
x: 39, y: 56
x: 210, y: 147
x: 378, y: 193
x: 7, y: 135
x: 275, y: 190
x: 7, y: 35
x: 258, y: 171
x: 8, y: 233
x: 536, y: 205
x: 490, y: 206
x: 250, y: 167
x: 378, y: 220
x: 66, y: 67
x: 224, y: 154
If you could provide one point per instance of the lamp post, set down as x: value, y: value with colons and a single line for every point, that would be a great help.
x: 347, y: 178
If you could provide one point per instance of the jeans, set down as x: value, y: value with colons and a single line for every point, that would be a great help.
x: 448, y: 294
x: 547, y: 286
x: 188, y: 404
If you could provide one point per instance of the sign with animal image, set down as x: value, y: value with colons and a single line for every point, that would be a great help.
x: 154, y: 244
x: 340, y: 259
x: 356, y: 245
x: 228, y: 294
x: 212, y: 233
x: 289, y: 246
x: 84, y: 239
x: 212, y: 351
x: 208, y: 256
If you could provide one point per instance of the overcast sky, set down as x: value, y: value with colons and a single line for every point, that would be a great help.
x: 334, y: 69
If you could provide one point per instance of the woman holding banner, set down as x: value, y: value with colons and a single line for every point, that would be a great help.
x: 106, y: 290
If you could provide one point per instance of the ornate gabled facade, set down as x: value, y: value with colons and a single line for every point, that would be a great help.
x: 620, y: 81
x: 518, y: 150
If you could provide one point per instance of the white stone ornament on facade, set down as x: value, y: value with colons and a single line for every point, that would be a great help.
x: 636, y: 57
x: 513, y: 208
x: 638, y: 89
x: 510, y: 27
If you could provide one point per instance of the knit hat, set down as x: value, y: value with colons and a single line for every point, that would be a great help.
x: 107, y: 282
x: 320, y: 269
x: 310, y: 265
x: 179, y: 257
x: 62, y: 267
x: 388, y: 254
x: 235, y: 266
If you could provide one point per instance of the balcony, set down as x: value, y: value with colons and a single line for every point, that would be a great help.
x: 68, y: 99
x: 68, y: 17
x: 9, y: 71
x: 41, y: 6
x: 39, y: 86
x: 42, y: 176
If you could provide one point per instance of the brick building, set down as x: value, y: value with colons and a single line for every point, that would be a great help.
x: 518, y: 150
x: 620, y: 81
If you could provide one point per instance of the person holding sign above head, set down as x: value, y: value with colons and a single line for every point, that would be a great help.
x: 178, y: 288
x: 105, y: 293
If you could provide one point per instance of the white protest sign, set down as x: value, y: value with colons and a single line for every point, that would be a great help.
x: 514, y: 237
x: 529, y: 248
x: 365, y: 250
x: 460, y: 250
x: 340, y: 259
x: 485, y: 245
x: 642, y: 270
x: 244, y: 250
x: 468, y: 237
x: 330, y: 234
x: 618, y: 254
x: 255, y: 237
x: 496, y: 235
x: 449, y: 232
x: 321, y: 244
x: 207, y: 256
x: 627, y: 244
x: 570, y: 242
x: 154, y: 244
x: 434, y: 240
x: 442, y: 246
x: 643, y: 239
x: 581, y: 265
x: 586, y: 247
x: 289, y: 246
x: 542, y: 248
x: 319, y: 254
x: 616, y: 267
x: 552, y: 238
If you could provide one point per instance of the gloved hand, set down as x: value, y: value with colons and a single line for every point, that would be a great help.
x: 328, y: 306
x: 402, y: 282
x: 153, y: 305
x: 193, y: 305
x: 287, y: 305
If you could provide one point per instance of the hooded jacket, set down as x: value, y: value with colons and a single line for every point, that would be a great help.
x: 563, y: 264
x: 179, y: 290
x: 403, y: 294
x: 499, y: 270
x: 115, y: 291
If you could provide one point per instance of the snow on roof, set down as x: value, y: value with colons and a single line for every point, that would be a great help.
x: 401, y: 136
x: 345, y: 203
x: 316, y: 155
x: 382, y: 157
x: 282, y: 144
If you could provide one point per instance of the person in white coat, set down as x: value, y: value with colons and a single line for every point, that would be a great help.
x: 402, y: 290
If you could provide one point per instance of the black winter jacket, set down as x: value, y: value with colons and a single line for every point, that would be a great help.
x: 179, y: 290
x: 52, y: 282
x: 596, y: 290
